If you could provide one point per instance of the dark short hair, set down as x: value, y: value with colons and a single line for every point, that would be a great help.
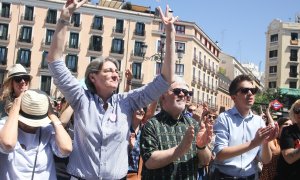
x: 94, y: 67
x: 282, y: 120
x: 233, y: 88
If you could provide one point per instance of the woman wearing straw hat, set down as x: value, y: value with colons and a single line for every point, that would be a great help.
x: 28, y: 141
x: 101, y: 117
x: 17, y: 81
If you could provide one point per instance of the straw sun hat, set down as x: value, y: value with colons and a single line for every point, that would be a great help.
x: 34, y: 108
x: 16, y: 70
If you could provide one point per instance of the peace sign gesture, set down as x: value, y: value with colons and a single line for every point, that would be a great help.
x: 70, y: 7
x: 168, y: 19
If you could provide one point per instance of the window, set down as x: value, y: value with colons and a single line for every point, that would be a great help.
x: 273, y: 54
x: 5, y: 10
x: 161, y: 27
x: 28, y: 13
x: 44, y: 64
x: 46, y: 84
x: 159, y: 46
x: 3, y: 55
x: 180, y: 46
x: 180, y: 29
x: 272, y: 84
x: 136, y: 70
x: 179, y: 69
x: 51, y: 16
x: 200, y: 57
x: 75, y: 20
x: 140, y: 29
x: 273, y: 69
x: 71, y: 62
x: 73, y: 41
x: 294, y: 36
x: 119, y: 26
x: 274, y: 37
x: 293, y: 85
x: 158, y: 68
x: 294, y: 55
x: 3, y: 31
x: 49, y: 35
x: 293, y: 71
x: 117, y: 46
x: 95, y: 43
x: 98, y: 23
x: 25, y: 34
x: 24, y: 56
x: 138, y: 49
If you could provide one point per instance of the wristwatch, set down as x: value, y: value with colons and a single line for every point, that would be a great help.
x: 200, y: 148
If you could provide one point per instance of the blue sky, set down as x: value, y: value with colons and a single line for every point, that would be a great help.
x: 239, y: 26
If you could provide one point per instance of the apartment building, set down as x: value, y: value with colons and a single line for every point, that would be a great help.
x: 282, y: 52
x: 105, y: 29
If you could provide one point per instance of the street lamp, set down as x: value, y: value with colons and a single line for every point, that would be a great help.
x: 159, y: 57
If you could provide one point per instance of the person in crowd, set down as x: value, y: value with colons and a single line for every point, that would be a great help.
x: 269, y: 170
x: 282, y: 123
x: 173, y: 144
x: 241, y: 136
x: 28, y: 141
x: 17, y: 81
x: 102, y: 118
x: 208, y: 116
x: 289, y: 160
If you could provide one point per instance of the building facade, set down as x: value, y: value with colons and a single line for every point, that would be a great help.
x: 104, y: 29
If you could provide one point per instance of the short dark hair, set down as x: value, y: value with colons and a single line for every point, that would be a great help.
x: 235, y: 83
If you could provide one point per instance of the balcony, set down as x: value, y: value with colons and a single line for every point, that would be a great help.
x: 97, y: 29
x: 293, y: 74
x: 194, y: 80
x: 45, y: 44
x: 27, y: 20
x: 75, y: 26
x: 25, y: 43
x: 137, y: 56
x: 200, y: 64
x: 118, y: 32
x: 95, y: 50
x: 195, y: 60
x: 137, y: 79
x: 5, y: 17
x: 294, y: 42
x: 4, y: 40
x: 205, y: 66
x: 117, y: 53
x: 72, y: 48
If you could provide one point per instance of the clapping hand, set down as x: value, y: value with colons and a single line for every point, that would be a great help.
x: 204, y: 136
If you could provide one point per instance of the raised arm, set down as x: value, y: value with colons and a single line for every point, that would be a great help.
x: 62, y: 138
x: 168, y: 68
x: 9, y: 132
x: 58, y: 41
x: 128, y: 75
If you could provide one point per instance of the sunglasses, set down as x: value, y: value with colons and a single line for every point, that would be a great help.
x: 18, y: 79
x: 211, y: 116
x: 246, y: 90
x: 177, y: 91
x: 296, y: 110
x: 191, y: 93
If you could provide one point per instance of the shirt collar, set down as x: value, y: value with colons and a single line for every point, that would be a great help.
x: 235, y: 111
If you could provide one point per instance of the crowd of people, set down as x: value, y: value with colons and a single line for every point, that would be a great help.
x: 100, y: 134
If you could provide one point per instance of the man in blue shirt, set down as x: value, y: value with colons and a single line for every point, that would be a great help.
x: 241, y: 136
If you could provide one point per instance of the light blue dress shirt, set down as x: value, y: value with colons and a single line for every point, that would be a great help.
x: 232, y: 129
x: 100, y: 149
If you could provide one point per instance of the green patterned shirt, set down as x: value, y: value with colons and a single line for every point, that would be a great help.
x: 162, y: 132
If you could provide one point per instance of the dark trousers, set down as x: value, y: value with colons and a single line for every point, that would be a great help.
x: 217, y: 175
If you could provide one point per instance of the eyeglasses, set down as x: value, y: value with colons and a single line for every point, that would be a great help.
x: 211, y: 116
x: 18, y: 79
x: 296, y: 110
x: 177, y: 91
x: 246, y: 90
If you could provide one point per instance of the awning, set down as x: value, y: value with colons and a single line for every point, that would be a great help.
x: 290, y: 92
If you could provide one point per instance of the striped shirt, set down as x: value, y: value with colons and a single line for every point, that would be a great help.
x: 162, y: 132
x: 100, y: 149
